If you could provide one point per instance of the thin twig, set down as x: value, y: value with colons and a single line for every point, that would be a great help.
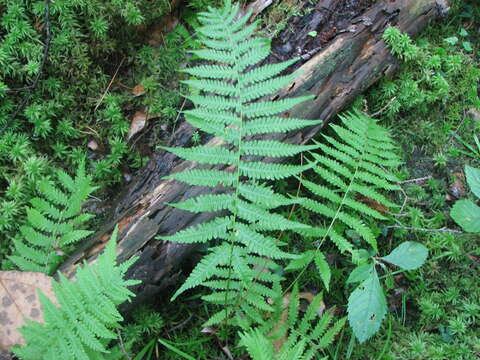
x: 172, y: 137
x: 33, y: 86
x: 417, y: 180
x: 443, y: 229
x: 375, y: 114
x: 405, y: 200
x: 122, y: 346
x: 181, y: 324
x: 109, y: 85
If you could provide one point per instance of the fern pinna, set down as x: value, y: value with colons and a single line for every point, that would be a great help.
x: 353, y: 172
x: 83, y: 324
x: 53, y: 222
x: 227, y: 108
x: 293, y: 337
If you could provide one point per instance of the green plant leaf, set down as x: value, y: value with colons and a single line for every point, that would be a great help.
x: 466, y: 214
x: 367, y: 306
x: 467, y: 46
x: 360, y: 273
x: 451, y: 40
x: 473, y: 179
x: 175, y: 349
x: 323, y: 268
x: 408, y: 255
x: 302, y: 261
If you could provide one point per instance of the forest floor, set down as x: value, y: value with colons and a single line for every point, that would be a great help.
x: 434, y: 312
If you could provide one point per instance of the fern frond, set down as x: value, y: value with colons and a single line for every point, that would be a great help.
x: 84, y: 323
x: 202, y: 233
x: 269, y: 108
x: 272, y: 148
x: 258, y: 346
x: 53, y: 221
x: 352, y: 167
x: 231, y: 102
x: 221, y: 117
x: 209, y: 202
x: 301, y: 337
x: 269, y: 171
x: 229, y: 135
x: 264, y: 196
x: 204, y: 177
x: 265, y: 125
x: 206, y: 268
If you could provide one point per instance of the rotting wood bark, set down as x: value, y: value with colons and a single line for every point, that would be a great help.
x: 352, y: 60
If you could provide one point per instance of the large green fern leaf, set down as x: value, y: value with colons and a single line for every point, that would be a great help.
x: 230, y: 103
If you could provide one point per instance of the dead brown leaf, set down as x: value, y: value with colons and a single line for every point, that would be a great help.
x: 139, y: 89
x: 371, y: 203
x: 139, y: 121
x: 457, y: 189
x: 19, y: 300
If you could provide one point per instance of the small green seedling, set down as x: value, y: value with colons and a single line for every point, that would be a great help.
x: 465, y: 212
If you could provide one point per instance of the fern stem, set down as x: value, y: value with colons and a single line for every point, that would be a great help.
x: 236, y: 198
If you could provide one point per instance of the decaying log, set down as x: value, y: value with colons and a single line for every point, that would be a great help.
x: 338, y: 65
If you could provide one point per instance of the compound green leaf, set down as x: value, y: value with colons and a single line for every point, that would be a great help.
x: 302, y: 261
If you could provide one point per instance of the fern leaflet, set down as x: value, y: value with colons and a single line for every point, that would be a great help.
x: 295, y: 338
x: 53, y: 222
x: 353, y: 173
x: 84, y: 323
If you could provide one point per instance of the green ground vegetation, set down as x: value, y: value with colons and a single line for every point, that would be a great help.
x: 82, y: 107
x: 431, y: 107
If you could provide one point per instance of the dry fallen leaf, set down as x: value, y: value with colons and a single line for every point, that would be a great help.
x: 139, y: 89
x: 19, y: 300
x: 371, y: 203
x: 138, y: 123
x: 457, y: 189
x: 92, y: 145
